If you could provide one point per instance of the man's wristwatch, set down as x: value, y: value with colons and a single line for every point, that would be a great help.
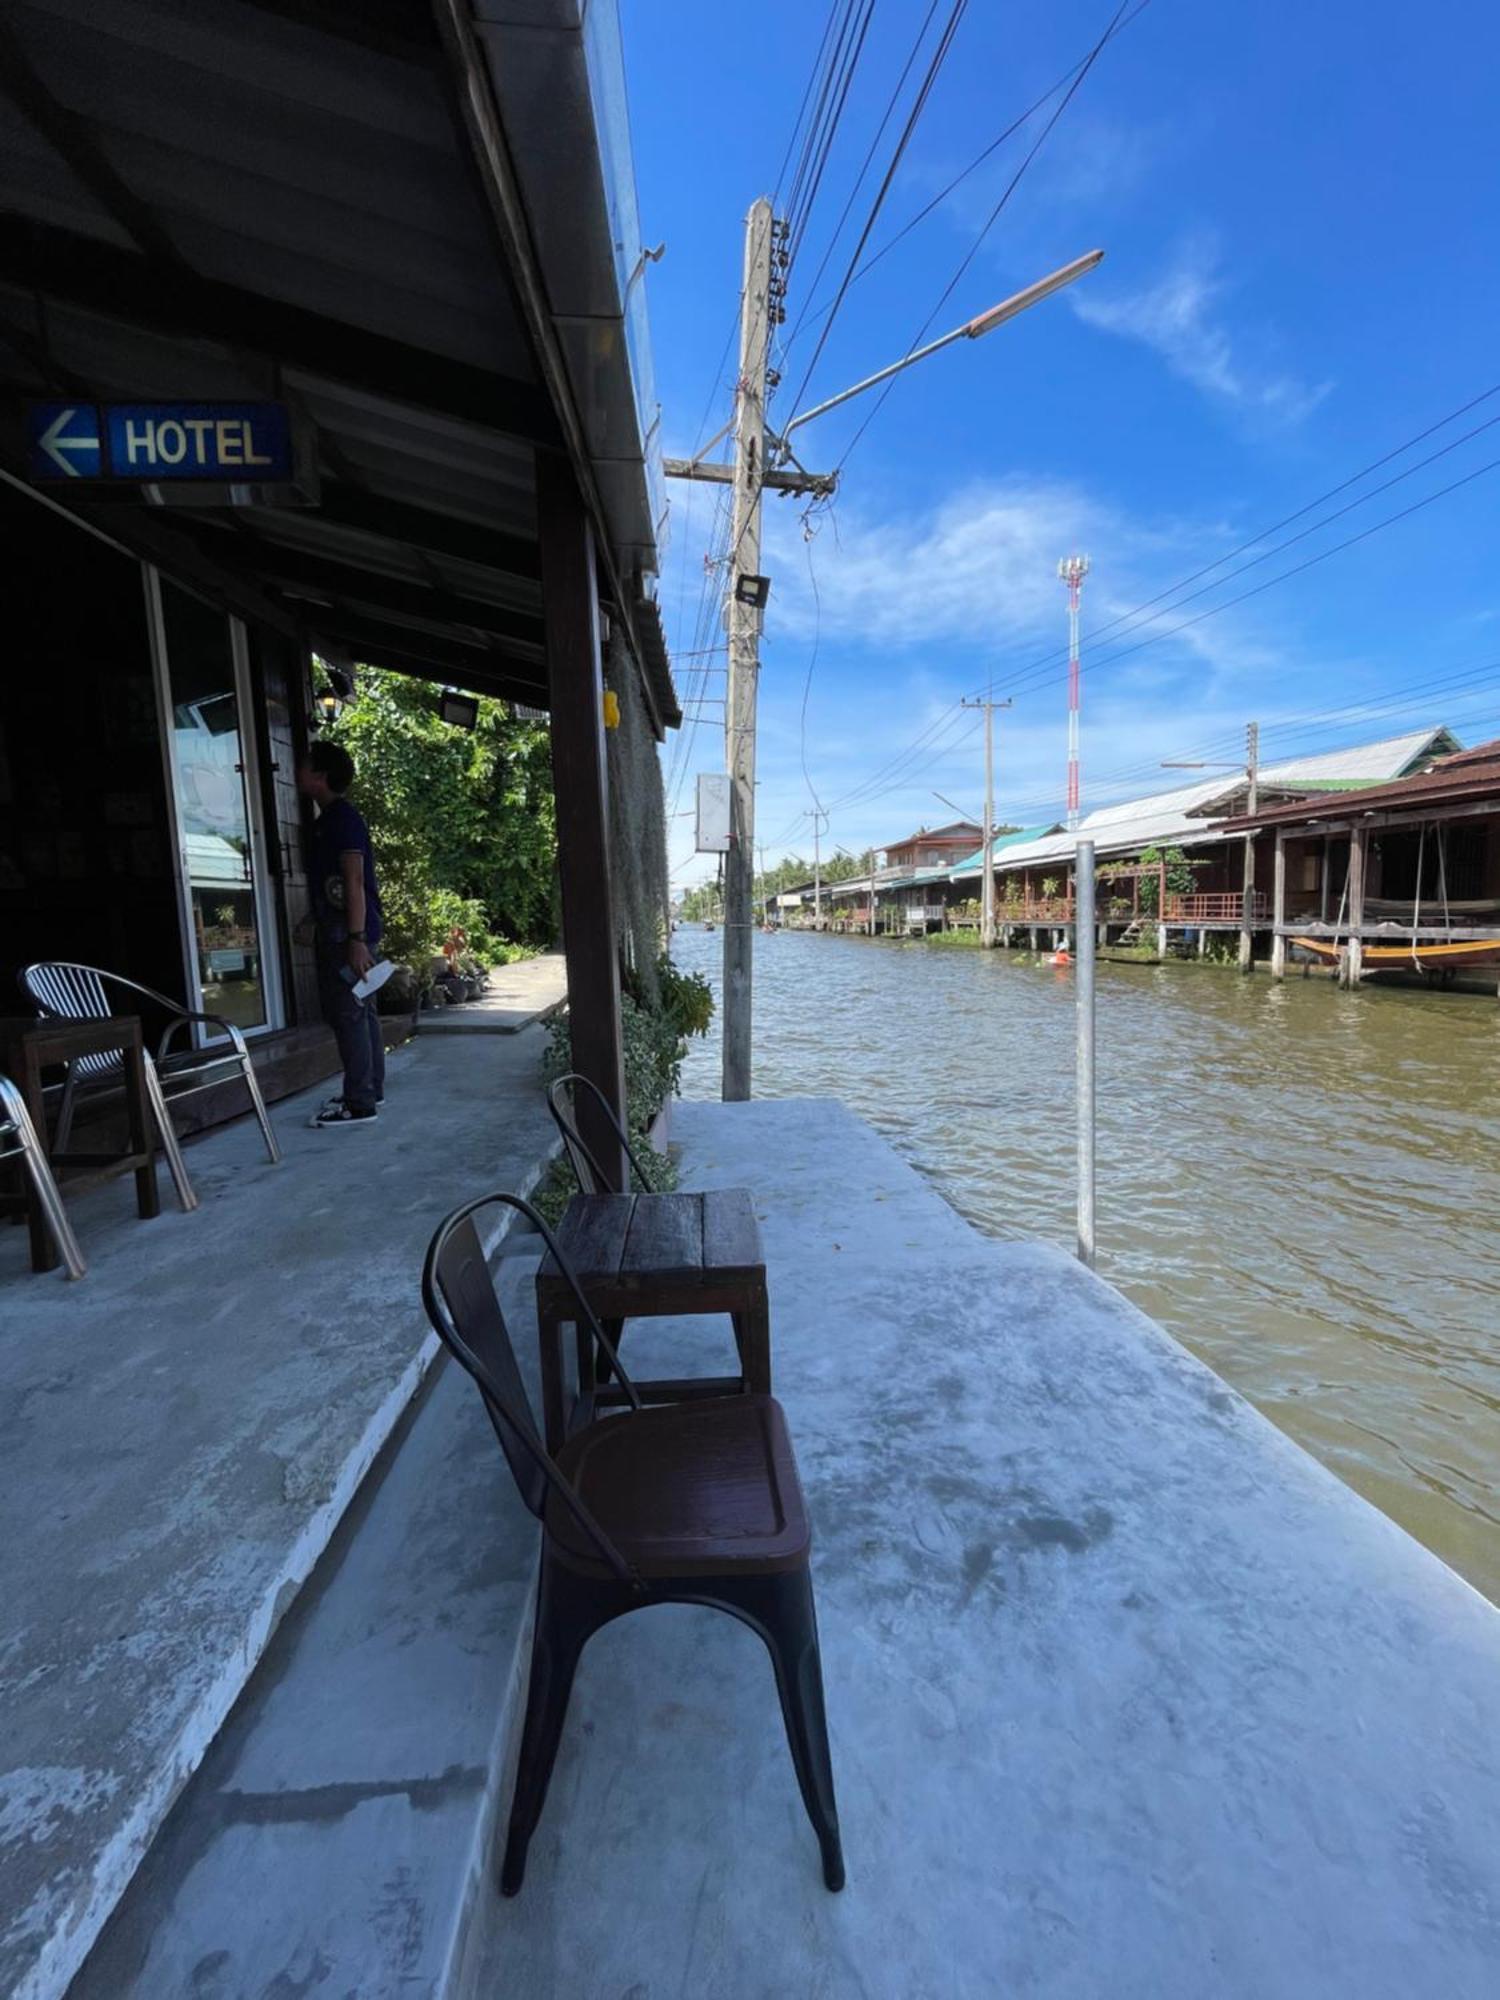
x: 357, y: 937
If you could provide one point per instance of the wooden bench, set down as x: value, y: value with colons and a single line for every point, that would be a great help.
x: 652, y: 1256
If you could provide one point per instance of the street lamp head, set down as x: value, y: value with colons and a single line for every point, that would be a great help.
x: 1042, y: 289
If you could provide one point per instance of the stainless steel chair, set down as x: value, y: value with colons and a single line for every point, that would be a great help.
x: 18, y: 1140
x: 80, y: 993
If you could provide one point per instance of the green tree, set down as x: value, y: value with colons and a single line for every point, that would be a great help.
x: 466, y: 812
x: 1181, y: 880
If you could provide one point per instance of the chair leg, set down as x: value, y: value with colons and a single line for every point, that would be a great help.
x: 186, y: 1199
x: 781, y: 1609
x: 258, y: 1105
x: 567, y: 1612
x: 40, y: 1170
x: 65, y: 1111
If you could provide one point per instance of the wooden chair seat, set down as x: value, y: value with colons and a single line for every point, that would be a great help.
x: 686, y: 1490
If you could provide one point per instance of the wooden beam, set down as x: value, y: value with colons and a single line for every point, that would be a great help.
x: 423, y: 528
x: 570, y: 610
x: 305, y: 569
x: 425, y: 653
x: 388, y: 27
x: 142, y: 292
x: 74, y: 139
x: 1359, y: 842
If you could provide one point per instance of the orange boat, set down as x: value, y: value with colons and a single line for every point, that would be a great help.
x: 1417, y: 957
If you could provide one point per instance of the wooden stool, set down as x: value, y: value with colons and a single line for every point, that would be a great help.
x: 652, y: 1256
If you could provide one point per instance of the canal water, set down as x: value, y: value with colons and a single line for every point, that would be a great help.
x: 1303, y: 1185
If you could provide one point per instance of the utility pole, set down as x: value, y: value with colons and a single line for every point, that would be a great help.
x: 749, y: 476
x: 745, y: 611
x: 987, y: 893
x: 760, y: 306
x: 1072, y: 570
x: 1247, y: 896
x: 819, y: 820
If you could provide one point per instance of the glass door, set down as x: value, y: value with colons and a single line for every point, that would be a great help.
x: 211, y: 755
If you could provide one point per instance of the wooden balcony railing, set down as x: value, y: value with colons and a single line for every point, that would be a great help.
x: 1221, y: 907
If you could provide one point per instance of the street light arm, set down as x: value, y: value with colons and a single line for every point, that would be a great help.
x: 971, y: 329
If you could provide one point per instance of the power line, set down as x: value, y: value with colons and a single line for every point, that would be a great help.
x: 1128, y: 618
x: 913, y: 118
x: 865, y: 164
x: 973, y: 251
x: 809, y: 315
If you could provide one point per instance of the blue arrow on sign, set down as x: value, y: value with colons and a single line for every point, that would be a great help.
x: 65, y: 441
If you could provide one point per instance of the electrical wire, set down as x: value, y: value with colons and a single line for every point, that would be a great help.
x: 865, y: 164
x: 913, y: 119
x: 1130, y: 618
x: 995, y: 213
x: 974, y: 165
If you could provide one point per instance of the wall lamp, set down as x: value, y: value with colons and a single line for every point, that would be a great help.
x: 752, y: 590
x: 462, y: 710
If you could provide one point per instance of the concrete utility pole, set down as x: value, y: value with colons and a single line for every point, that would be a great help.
x: 819, y: 820
x: 746, y: 606
x: 760, y: 304
x: 1247, y: 897
x: 987, y: 865
x: 749, y: 476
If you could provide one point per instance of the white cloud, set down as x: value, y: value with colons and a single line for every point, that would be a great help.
x: 920, y: 608
x: 1180, y: 318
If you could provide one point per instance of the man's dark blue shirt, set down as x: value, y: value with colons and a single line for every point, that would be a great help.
x: 341, y: 830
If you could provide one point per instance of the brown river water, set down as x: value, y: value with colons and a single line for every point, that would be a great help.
x: 1302, y: 1185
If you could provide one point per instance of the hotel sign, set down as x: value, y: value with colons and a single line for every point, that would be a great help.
x: 239, y: 443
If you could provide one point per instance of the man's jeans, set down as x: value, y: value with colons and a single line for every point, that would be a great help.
x: 356, y: 1027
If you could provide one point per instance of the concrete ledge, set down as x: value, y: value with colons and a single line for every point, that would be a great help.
x: 518, y: 996
x: 355, y: 1784
x: 1126, y: 1692
x: 184, y: 1430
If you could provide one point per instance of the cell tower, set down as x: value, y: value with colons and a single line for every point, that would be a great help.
x: 1072, y: 570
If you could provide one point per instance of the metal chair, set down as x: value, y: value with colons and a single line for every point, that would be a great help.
x: 79, y: 993
x: 16, y: 1125
x: 590, y: 1176
x: 686, y: 1503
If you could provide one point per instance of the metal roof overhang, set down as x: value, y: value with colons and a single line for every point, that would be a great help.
x: 326, y: 203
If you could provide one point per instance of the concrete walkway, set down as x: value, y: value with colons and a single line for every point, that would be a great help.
x: 531, y: 990
x: 182, y: 1431
x: 1128, y: 1695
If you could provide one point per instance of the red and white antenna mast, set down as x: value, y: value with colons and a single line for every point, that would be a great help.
x: 1072, y: 570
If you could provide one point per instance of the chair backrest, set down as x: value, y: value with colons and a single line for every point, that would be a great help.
x: 458, y: 1292
x: 591, y: 1177
x: 73, y: 993
x: 80, y: 993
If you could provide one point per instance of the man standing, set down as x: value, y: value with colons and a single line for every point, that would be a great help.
x: 346, y: 904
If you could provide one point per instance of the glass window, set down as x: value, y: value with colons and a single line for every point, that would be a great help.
x: 208, y: 766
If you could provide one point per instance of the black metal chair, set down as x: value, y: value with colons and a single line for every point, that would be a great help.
x: 687, y: 1503
x: 80, y: 993
x: 590, y: 1176
x: 18, y: 1140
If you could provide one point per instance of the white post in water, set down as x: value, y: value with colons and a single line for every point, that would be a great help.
x: 1083, y: 981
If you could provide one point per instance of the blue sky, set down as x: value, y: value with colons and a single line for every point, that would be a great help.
x: 1298, y: 205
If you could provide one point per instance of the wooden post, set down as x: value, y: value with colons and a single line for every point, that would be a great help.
x: 570, y: 617
x: 1247, y: 908
x: 1323, y: 881
x: 1354, y: 956
x: 1278, y: 908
